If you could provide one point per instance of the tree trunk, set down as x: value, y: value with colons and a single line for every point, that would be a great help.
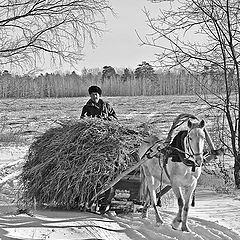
x: 237, y: 171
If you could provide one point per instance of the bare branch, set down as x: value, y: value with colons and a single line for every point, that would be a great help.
x: 203, y: 37
x: 59, y: 28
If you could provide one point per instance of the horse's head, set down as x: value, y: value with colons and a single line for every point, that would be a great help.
x: 194, y: 141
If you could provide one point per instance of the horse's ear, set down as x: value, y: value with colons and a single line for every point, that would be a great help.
x: 202, y: 124
x: 189, y: 124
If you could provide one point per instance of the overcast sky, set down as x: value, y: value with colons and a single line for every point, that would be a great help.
x: 119, y: 47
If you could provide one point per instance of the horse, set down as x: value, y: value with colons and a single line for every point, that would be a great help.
x: 180, y: 171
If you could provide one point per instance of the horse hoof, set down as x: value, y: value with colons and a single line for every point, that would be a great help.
x: 176, y: 224
x: 175, y: 228
x: 158, y: 224
x: 186, y: 229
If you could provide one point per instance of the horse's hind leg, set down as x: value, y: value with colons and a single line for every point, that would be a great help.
x: 158, y: 217
x: 144, y: 192
x: 145, y: 207
x: 178, y: 219
x: 153, y: 198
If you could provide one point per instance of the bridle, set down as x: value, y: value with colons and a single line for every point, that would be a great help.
x: 189, y: 147
x: 191, y: 154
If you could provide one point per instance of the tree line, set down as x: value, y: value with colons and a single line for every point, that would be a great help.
x: 144, y: 80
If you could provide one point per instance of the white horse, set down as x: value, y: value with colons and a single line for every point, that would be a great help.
x: 180, y: 172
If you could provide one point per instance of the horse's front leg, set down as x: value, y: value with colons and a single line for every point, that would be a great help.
x: 178, y: 219
x: 187, y: 197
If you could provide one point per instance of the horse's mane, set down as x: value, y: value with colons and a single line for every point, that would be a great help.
x: 178, y: 142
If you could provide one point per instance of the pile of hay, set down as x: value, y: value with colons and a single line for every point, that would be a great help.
x: 68, y: 165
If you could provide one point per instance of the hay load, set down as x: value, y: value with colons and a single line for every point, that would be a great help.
x: 68, y: 165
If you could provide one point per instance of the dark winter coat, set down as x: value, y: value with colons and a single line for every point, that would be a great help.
x: 100, y: 110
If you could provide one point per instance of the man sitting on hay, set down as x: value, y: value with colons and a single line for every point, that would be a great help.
x: 96, y: 107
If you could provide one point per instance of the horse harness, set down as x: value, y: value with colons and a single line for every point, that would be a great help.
x: 179, y: 154
x: 175, y: 150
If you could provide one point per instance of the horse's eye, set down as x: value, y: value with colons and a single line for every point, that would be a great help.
x: 190, y: 138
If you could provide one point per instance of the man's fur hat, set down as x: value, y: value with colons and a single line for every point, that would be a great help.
x: 95, y: 89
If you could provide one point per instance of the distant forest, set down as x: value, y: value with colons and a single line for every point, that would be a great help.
x: 123, y: 82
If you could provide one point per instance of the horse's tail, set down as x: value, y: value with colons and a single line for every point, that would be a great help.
x: 143, y: 186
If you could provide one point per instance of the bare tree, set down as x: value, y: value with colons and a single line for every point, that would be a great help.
x: 199, y: 35
x: 30, y: 30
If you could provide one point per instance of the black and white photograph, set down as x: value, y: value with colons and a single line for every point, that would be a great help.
x: 120, y: 119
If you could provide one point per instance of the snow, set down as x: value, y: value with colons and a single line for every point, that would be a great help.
x: 215, y: 216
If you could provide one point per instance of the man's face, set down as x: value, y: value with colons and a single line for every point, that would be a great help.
x: 95, y: 97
